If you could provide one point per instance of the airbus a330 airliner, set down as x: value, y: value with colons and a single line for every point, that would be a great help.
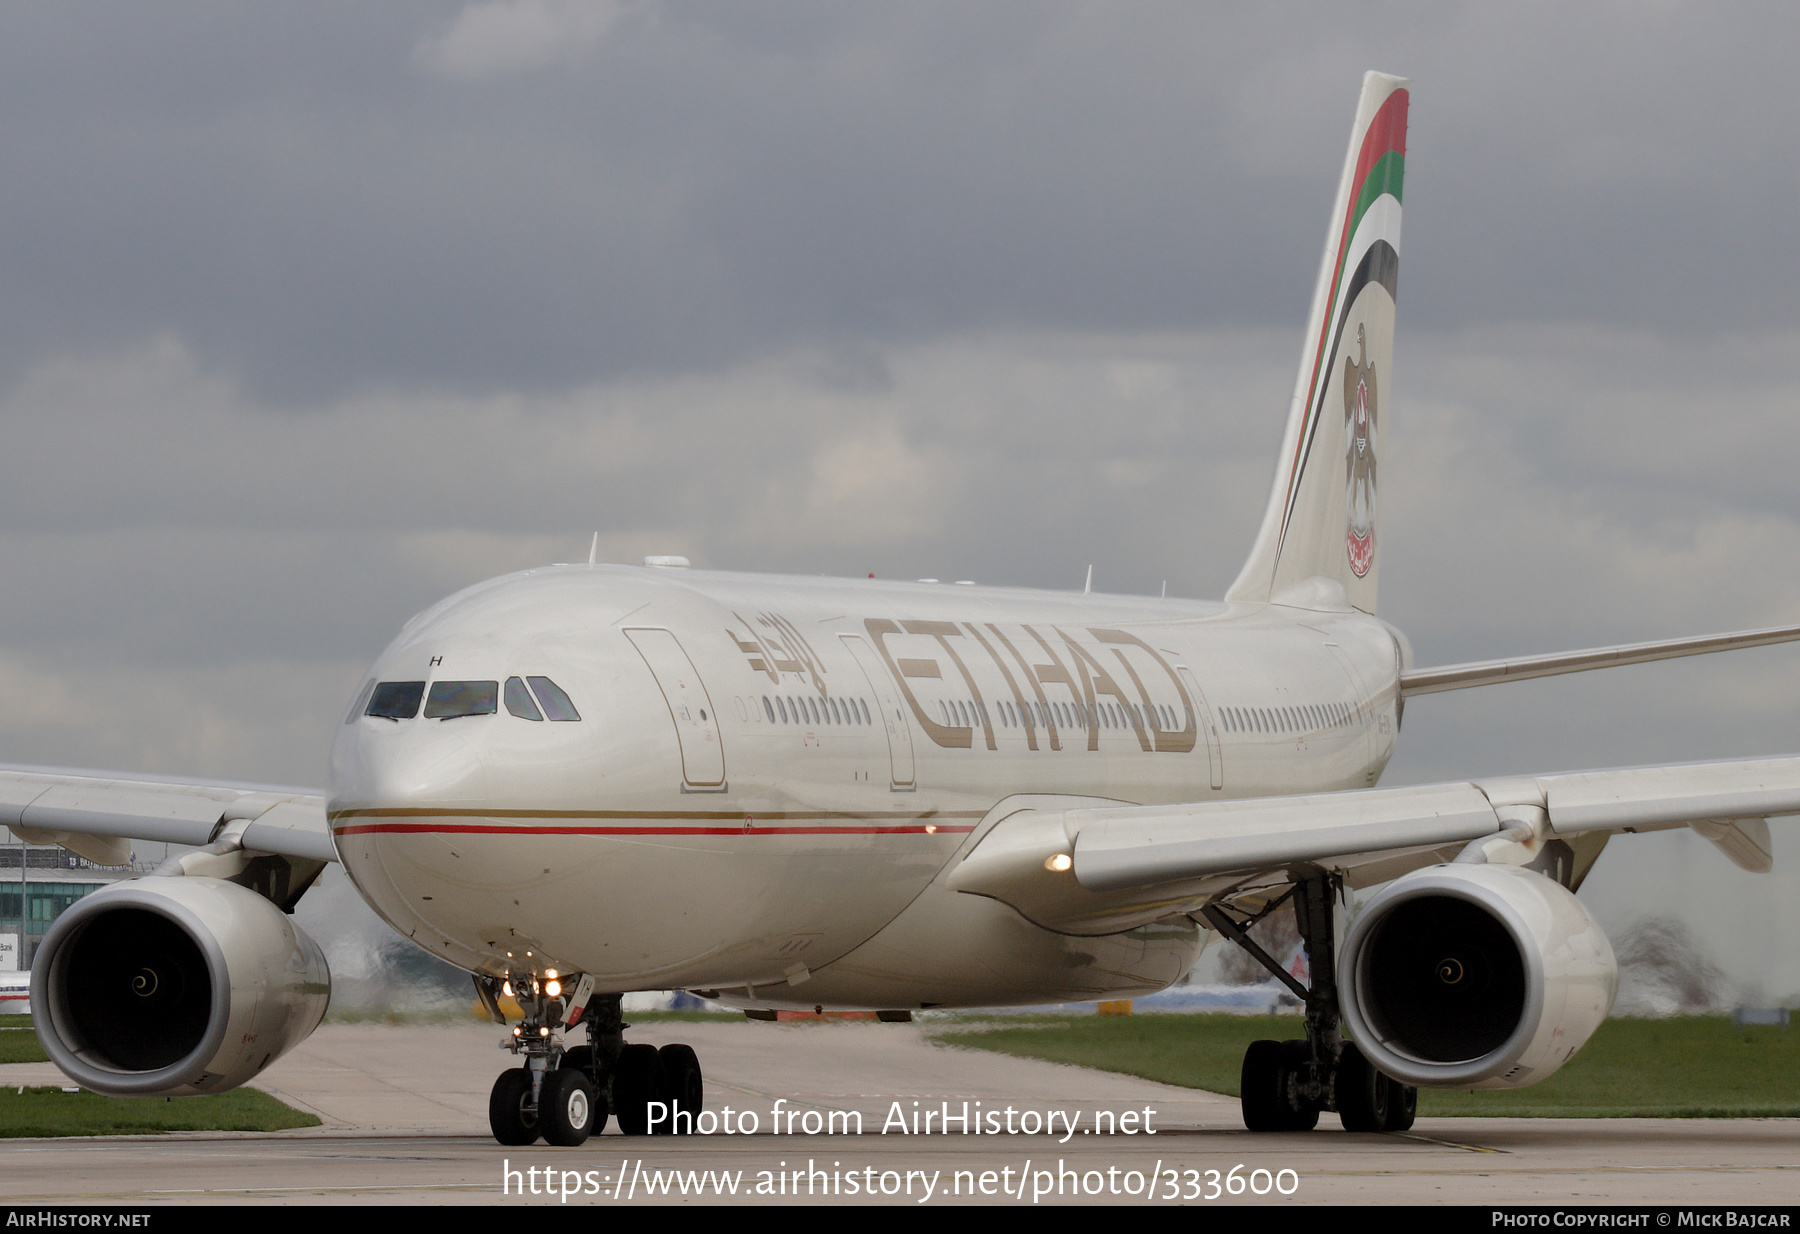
x: 585, y: 780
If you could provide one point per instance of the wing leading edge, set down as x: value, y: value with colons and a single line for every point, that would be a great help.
x: 1100, y: 869
x: 94, y: 814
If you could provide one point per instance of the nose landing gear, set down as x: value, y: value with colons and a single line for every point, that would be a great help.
x: 566, y: 1095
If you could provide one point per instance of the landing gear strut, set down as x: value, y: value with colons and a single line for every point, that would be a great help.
x: 566, y: 1095
x: 1285, y: 1084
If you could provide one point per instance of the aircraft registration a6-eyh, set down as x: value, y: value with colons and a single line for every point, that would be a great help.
x: 585, y: 780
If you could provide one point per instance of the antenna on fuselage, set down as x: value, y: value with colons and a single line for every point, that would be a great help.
x: 594, y: 549
x: 1087, y: 588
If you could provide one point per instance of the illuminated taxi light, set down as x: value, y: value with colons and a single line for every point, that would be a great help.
x: 1059, y: 863
x: 550, y: 974
x: 543, y: 1032
x: 553, y: 988
x: 506, y: 988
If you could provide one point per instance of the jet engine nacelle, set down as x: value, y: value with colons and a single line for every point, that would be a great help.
x: 164, y: 987
x: 1474, y: 976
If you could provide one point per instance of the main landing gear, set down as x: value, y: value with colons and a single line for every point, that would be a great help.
x: 566, y: 1095
x: 1285, y: 1084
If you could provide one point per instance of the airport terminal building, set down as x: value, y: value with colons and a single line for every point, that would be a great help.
x: 39, y: 881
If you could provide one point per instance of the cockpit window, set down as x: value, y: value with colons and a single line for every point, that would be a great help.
x: 518, y: 700
x: 362, y: 700
x: 396, y: 700
x: 451, y: 699
x: 556, y: 704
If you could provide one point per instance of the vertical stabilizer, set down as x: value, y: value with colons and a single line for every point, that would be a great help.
x: 1321, y: 520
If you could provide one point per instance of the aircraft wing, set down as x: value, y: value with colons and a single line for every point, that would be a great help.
x: 97, y: 813
x: 1100, y: 869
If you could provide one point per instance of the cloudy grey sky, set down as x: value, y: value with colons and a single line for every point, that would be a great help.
x: 310, y: 314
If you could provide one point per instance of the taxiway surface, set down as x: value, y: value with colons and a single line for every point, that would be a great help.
x: 405, y: 1121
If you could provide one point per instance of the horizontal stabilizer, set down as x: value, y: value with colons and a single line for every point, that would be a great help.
x: 1489, y: 672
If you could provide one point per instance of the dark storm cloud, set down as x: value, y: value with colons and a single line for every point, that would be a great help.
x: 323, y: 196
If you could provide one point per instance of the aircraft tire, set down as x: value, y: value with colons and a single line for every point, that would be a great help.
x: 636, y: 1083
x: 511, y: 1123
x: 566, y: 1107
x: 1364, y: 1095
x: 1302, y: 1117
x: 581, y: 1058
x: 1403, y: 1107
x: 1262, y: 1087
x: 680, y: 1086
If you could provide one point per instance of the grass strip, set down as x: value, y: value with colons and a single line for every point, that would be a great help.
x: 1682, y: 1067
x: 20, y: 1045
x: 52, y: 1112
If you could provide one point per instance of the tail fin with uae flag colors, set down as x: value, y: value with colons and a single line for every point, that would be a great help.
x: 1321, y: 520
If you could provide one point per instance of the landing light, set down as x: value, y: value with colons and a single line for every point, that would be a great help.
x: 553, y: 988
x: 506, y: 988
x: 1059, y: 863
x: 550, y: 974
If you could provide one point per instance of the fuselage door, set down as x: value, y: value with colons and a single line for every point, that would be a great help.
x: 696, y: 722
x: 893, y: 719
x: 1215, y: 749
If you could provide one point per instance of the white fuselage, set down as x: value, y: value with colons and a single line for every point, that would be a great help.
x: 769, y: 775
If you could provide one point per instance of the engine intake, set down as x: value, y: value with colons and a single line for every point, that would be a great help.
x: 1474, y: 976
x: 165, y: 987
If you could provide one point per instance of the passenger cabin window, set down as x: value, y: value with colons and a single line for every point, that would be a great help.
x: 452, y: 700
x: 519, y: 701
x: 557, y: 705
x: 396, y: 700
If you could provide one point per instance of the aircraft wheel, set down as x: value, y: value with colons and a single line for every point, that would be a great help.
x: 512, y: 1123
x: 581, y: 1059
x: 1262, y: 1087
x: 680, y: 1087
x: 1403, y: 1107
x: 566, y: 1108
x: 1301, y: 1115
x: 636, y: 1083
x: 1364, y: 1095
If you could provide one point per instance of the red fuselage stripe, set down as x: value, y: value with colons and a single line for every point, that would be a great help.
x: 461, y: 828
